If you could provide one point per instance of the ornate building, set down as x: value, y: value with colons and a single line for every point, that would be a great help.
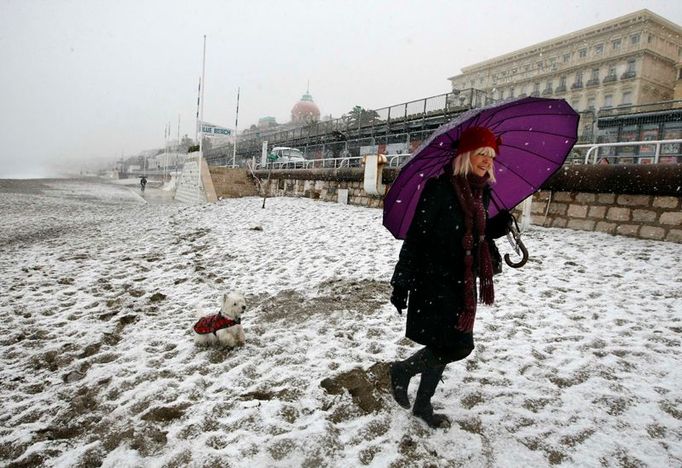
x: 631, y: 60
x: 305, y: 110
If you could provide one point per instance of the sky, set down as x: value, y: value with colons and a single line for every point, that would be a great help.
x: 83, y: 83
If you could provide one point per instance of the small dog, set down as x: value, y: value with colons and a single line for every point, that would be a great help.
x: 225, y: 326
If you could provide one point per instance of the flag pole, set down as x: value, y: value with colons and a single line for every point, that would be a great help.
x: 236, y: 123
x: 177, y: 152
x: 202, y: 87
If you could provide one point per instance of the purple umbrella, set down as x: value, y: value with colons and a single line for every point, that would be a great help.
x: 537, y: 134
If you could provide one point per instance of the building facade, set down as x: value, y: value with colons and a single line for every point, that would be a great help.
x: 631, y: 60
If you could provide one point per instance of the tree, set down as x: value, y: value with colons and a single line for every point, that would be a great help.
x: 359, y: 116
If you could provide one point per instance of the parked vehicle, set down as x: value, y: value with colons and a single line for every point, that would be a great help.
x: 282, y: 156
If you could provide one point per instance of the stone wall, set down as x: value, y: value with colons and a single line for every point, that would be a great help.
x: 574, y: 198
x: 350, y: 192
x: 644, y: 216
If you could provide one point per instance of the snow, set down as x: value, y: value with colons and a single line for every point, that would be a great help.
x: 577, y: 363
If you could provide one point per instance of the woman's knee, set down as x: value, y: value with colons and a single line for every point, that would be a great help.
x: 446, y: 356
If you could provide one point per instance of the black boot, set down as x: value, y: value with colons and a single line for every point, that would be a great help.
x: 422, y: 404
x: 402, y: 371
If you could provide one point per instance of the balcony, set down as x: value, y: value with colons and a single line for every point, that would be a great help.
x: 592, y: 82
x: 560, y: 89
x: 547, y: 92
x: 578, y: 85
x: 628, y: 75
x: 609, y: 79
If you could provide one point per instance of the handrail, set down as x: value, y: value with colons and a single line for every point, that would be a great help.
x: 314, y: 163
x: 595, y: 146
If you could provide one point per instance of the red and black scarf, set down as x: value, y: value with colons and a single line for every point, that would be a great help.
x: 469, y: 191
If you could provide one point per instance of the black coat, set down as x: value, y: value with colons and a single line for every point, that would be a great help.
x: 431, y: 267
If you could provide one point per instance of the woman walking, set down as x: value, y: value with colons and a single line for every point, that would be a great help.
x: 449, y: 245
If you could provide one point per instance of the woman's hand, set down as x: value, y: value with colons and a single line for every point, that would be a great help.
x: 399, y: 298
x: 498, y: 225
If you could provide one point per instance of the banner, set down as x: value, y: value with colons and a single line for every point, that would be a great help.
x: 210, y: 130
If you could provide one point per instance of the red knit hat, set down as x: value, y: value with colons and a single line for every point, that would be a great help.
x: 477, y: 137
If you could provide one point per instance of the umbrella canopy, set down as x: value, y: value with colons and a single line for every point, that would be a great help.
x: 536, y: 136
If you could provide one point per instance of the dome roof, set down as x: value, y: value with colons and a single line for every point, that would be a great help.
x: 305, y: 110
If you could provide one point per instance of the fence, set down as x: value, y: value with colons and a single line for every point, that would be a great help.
x: 648, y: 152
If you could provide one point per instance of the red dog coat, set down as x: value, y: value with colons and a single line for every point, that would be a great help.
x: 213, y: 323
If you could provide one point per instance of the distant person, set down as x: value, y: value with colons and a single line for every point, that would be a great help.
x: 448, y: 246
x: 143, y: 183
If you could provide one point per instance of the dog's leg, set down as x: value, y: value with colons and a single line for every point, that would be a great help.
x: 226, y: 338
x: 241, y: 339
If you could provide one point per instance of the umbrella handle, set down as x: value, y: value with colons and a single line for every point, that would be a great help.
x: 516, y: 234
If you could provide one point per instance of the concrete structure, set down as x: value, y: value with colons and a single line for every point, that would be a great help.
x: 631, y: 60
x: 195, y: 184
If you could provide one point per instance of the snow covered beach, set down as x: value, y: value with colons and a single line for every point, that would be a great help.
x: 577, y: 364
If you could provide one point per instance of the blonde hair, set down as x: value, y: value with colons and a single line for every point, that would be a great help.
x: 462, y: 163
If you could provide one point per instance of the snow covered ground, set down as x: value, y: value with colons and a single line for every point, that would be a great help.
x: 578, y: 363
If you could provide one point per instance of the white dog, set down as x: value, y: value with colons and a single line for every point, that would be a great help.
x: 225, y: 326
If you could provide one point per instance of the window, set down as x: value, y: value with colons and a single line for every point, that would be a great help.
x: 631, y: 65
x: 627, y: 98
x: 540, y: 65
x: 579, y: 77
x: 612, y: 70
x: 634, y: 39
x: 598, y: 49
x: 595, y: 74
x: 562, y: 81
x: 511, y: 92
x: 536, y: 90
x: 608, y: 100
x: 650, y: 38
x: 590, y: 103
x: 567, y: 57
x: 615, y: 44
x: 582, y: 53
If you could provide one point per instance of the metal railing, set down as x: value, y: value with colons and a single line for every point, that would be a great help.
x: 370, y: 119
x: 325, y: 163
x: 593, y: 150
x: 639, y: 108
x: 591, y: 156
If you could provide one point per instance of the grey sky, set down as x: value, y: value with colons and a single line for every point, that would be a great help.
x: 88, y: 80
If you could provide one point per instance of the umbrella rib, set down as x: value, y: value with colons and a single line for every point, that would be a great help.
x: 540, y: 131
x: 523, y: 116
x: 518, y: 175
x: 500, y: 109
